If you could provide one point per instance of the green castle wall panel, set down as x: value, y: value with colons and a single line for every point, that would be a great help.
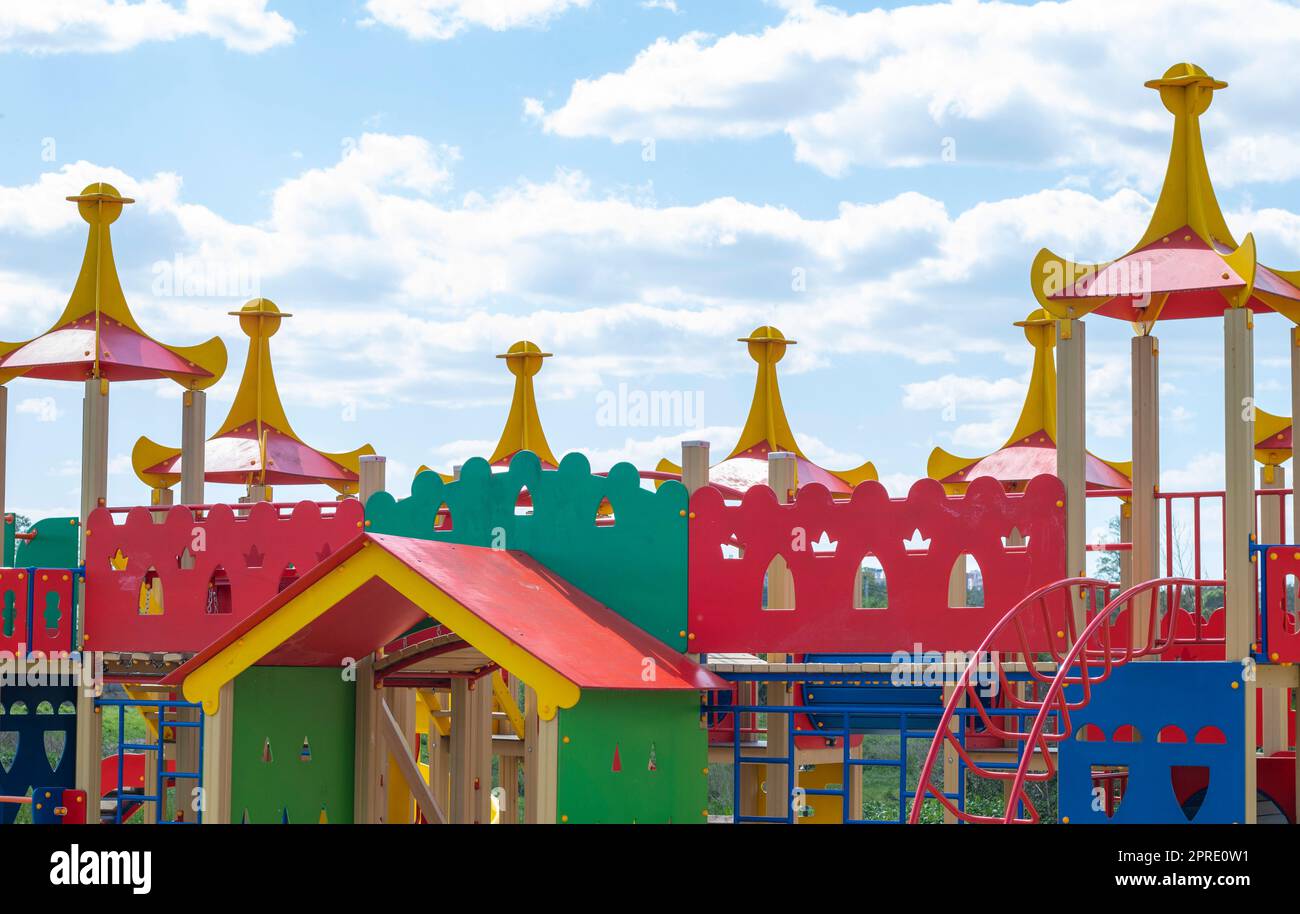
x: 637, y: 567
x: 665, y: 725
x: 55, y: 545
x: 284, y: 705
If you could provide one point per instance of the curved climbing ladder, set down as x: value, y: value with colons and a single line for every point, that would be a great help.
x: 1059, y: 679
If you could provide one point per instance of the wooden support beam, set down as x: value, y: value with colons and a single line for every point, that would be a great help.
x: 471, y: 752
x: 367, y: 801
x: 695, y: 465
x: 400, y: 751
x: 1146, y: 473
x: 1071, y: 449
x: 372, y: 478
x: 194, y: 420
x: 4, y: 447
x: 89, y: 747
x: 781, y: 780
x: 218, y: 740
x: 541, y: 764
x: 1239, y: 514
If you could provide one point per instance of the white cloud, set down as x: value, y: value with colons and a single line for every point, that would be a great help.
x: 107, y: 26
x: 1000, y: 82
x: 439, y: 20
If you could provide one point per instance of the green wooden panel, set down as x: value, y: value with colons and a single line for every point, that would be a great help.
x: 642, y: 725
x: 637, y: 567
x: 55, y: 545
x: 286, y: 705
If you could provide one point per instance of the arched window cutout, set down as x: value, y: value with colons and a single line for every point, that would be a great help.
x: 1210, y: 734
x: 56, y: 743
x: 442, y: 519
x: 870, y: 589
x: 604, y: 513
x: 9, y: 614
x: 218, y: 597
x: 966, y: 583
x: 45, y: 708
x: 1109, y: 784
x: 1289, y: 620
x: 151, y: 594
x: 67, y: 708
x: 53, y: 613
x: 1171, y: 734
x: 1090, y: 733
x: 8, y: 750
x: 1126, y: 733
x: 733, y: 548
x: 778, y: 586
x: 18, y: 707
x: 524, y: 501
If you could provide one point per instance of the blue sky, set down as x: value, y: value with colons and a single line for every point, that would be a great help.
x: 423, y: 182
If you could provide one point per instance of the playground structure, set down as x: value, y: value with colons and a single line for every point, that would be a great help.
x: 522, y: 639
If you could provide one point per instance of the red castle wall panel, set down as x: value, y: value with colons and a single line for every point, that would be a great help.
x: 13, y: 609
x: 1283, y: 632
x: 52, y: 610
x: 726, y: 593
x: 236, y: 564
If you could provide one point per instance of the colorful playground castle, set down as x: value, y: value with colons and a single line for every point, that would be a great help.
x: 758, y: 640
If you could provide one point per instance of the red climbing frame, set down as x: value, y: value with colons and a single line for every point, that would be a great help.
x: 1092, y: 655
x: 725, y: 594
x: 237, y: 564
x: 1283, y: 636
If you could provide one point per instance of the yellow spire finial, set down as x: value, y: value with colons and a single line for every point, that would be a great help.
x: 1187, y: 196
x: 97, y: 305
x: 523, y: 430
x: 257, y: 401
x: 1039, y: 411
x: 767, y: 420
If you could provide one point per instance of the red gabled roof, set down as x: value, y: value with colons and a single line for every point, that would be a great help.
x: 558, y: 624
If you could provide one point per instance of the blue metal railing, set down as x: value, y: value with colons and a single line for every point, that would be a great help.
x: 159, y: 796
x: 714, y: 710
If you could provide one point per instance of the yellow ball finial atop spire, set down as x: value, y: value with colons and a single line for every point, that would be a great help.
x: 524, y: 357
x: 260, y: 317
x: 100, y: 203
x: 1179, y: 78
x: 766, y: 344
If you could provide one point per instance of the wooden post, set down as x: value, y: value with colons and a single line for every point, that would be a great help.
x: 1295, y: 416
x: 471, y: 752
x: 194, y: 415
x: 4, y: 445
x: 89, y: 740
x: 1239, y: 514
x: 541, y: 764
x: 94, y: 448
x: 1126, y: 536
x: 218, y: 739
x: 695, y: 465
x: 368, y: 760
x: 782, y: 478
x: 1071, y: 449
x: 372, y: 478
x: 1272, y: 529
x: 1146, y: 475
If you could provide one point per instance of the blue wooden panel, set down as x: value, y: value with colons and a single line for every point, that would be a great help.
x: 31, y: 715
x: 1151, y: 697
